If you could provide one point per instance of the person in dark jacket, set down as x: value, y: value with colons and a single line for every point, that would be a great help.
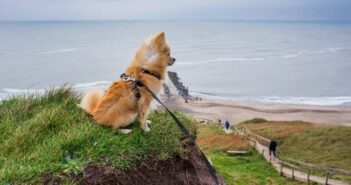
x: 272, y: 147
x: 227, y: 125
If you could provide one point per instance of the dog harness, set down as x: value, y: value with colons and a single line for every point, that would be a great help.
x: 145, y: 71
x: 136, y: 82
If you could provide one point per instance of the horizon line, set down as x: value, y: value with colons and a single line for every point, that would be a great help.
x: 175, y: 20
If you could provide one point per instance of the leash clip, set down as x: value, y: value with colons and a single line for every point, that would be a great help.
x: 127, y: 78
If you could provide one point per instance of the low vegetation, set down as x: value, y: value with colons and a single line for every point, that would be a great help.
x: 49, y: 134
x: 254, y: 120
x: 248, y: 169
x: 252, y: 169
x: 327, y: 146
x: 211, y: 137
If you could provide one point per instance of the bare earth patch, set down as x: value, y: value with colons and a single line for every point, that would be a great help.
x: 186, y: 169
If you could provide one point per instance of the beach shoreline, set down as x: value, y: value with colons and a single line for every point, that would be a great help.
x: 238, y: 111
x: 235, y: 111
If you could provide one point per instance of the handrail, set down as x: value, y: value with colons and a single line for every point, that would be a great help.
x: 313, y: 166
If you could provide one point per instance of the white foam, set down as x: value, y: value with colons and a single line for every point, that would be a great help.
x: 82, y: 87
x: 325, y: 101
x: 334, y: 50
x: 293, y: 55
x: 18, y: 91
x: 219, y: 60
x: 327, y: 50
x: 90, y: 85
x: 3, y: 95
x: 56, y: 51
x: 338, y: 100
x: 286, y: 56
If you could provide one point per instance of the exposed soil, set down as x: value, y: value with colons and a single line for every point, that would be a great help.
x: 186, y: 169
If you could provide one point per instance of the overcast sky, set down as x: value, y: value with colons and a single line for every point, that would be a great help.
x: 175, y: 9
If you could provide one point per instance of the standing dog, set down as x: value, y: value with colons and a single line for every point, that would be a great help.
x: 124, y: 101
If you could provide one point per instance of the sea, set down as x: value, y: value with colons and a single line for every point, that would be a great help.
x: 261, y: 61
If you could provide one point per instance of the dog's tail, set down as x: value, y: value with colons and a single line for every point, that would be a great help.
x: 90, y: 100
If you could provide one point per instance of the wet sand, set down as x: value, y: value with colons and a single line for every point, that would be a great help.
x: 236, y: 112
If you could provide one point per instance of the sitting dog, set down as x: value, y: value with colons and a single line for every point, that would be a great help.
x: 125, y: 100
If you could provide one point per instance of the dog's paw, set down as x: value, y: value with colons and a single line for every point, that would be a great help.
x: 146, y: 129
x: 125, y: 131
x: 148, y: 121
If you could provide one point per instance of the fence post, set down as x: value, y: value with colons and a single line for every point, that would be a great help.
x: 255, y: 144
x: 293, y: 170
x: 281, y: 168
x: 308, y: 176
x: 327, y: 178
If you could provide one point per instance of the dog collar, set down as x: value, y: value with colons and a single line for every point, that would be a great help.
x: 145, y: 71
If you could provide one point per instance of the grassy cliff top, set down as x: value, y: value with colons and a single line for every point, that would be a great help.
x: 49, y: 134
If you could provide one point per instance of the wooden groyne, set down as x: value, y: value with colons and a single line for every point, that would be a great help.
x: 183, y: 91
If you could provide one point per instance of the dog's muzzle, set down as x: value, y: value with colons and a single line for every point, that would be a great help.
x: 172, y: 61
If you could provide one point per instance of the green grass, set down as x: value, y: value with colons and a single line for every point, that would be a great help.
x: 210, y: 130
x: 249, y: 169
x: 252, y: 169
x: 327, y: 146
x: 254, y: 121
x: 321, y: 145
x: 50, y: 134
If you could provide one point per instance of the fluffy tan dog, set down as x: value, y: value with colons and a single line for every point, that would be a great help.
x: 123, y: 101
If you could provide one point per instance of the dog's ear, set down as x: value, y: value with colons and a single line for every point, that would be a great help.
x: 159, y: 37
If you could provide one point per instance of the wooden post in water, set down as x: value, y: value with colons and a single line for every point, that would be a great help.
x: 327, y: 178
x: 308, y: 175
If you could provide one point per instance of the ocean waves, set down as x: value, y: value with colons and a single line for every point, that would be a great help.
x: 321, y: 51
x: 338, y: 100
x: 83, y: 87
x: 58, y: 51
x: 267, y: 57
x: 34, y: 52
x: 323, y: 101
x: 219, y: 60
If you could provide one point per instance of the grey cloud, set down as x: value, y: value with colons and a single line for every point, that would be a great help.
x: 180, y: 9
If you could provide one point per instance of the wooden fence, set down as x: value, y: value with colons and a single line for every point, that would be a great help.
x: 295, y: 169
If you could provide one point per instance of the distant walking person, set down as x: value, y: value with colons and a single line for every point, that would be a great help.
x: 272, y: 146
x: 219, y: 122
x: 227, y: 125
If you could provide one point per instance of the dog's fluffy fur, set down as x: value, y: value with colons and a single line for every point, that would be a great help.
x: 119, y: 106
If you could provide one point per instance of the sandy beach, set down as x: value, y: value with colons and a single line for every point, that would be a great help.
x: 236, y: 112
